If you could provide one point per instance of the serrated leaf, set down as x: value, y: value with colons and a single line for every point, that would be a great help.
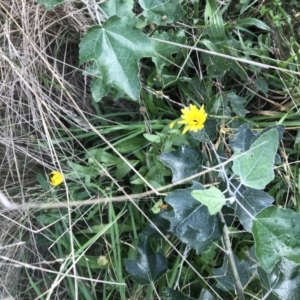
x: 224, y: 276
x: 162, y: 12
x: 276, y: 235
x: 183, y: 162
x: 191, y: 222
x: 175, y: 295
x: 115, y: 48
x: 255, y: 167
x: 49, y: 4
x: 237, y: 104
x: 208, y: 133
x: 118, y: 8
x: 212, y: 198
x: 282, y: 283
x: 149, y: 266
x: 165, y: 51
x: 250, y: 203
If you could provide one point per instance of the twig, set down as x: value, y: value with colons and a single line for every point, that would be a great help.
x: 235, y: 274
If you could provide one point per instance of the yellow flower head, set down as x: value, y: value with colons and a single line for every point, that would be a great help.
x: 193, y: 118
x: 56, y: 178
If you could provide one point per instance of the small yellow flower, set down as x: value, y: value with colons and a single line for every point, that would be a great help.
x: 56, y: 178
x: 193, y: 118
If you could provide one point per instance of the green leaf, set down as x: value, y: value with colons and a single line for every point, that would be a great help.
x: 118, y: 8
x: 255, y: 167
x: 276, y: 235
x: 262, y: 85
x: 252, y: 22
x: 223, y: 275
x: 208, y: 133
x: 149, y: 266
x: 165, y: 51
x: 283, y: 282
x: 191, y: 222
x: 115, y: 48
x: 183, y: 162
x: 49, y: 4
x: 175, y: 295
x: 237, y: 104
x: 160, y: 222
x: 162, y: 12
x: 243, y: 139
x: 250, y: 203
x: 212, y: 198
x: 214, y: 21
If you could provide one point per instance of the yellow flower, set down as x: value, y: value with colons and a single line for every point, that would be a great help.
x: 56, y: 178
x: 193, y: 118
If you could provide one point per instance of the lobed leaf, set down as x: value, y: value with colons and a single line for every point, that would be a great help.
x: 255, y: 167
x: 276, y: 235
x: 149, y: 266
x: 115, y: 49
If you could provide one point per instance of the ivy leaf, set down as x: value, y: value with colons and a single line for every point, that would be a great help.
x: 191, y: 222
x: 224, y: 274
x: 115, y: 49
x: 183, y: 162
x: 50, y: 4
x: 243, y: 139
x: 149, y: 266
x: 162, y: 12
x: 250, y: 203
x: 165, y: 51
x: 255, y: 167
x: 118, y: 8
x: 208, y: 133
x: 283, y: 282
x: 276, y: 235
x: 212, y: 198
x: 237, y: 104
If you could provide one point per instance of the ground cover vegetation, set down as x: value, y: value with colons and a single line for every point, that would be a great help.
x: 150, y: 149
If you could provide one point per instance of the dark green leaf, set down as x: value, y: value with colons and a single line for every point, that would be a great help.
x: 49, y: 4
x: 160, y: 222
x: 192, y: 223
x: 262, y: 85
x: 165, y: 51
x: 183, y: 162
x: 208, y: 133
x: 175, y: 295
x: 224, y: 274
x: 250, y: 203
x: 115, y: 48
x: 243, y: 139
x: 237, y: 104
x: 149, y: 266
x: 162, y: 12
x: 255, y: 167
x: 282, y: 283
x: 276, y: 235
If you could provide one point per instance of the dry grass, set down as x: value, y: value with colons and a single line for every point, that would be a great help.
x: 40, y: 91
